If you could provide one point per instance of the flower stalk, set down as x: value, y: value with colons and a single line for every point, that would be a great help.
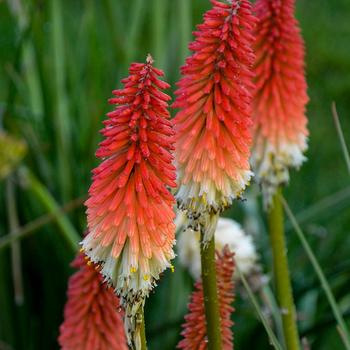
x: 143, y: 330
x: 281, y: 273
x: 198, y: 332
x: 211, y: 303
x: 342, y: 328
x: 213, y: 132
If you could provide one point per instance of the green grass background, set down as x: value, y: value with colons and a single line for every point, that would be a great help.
x: 59, y: 61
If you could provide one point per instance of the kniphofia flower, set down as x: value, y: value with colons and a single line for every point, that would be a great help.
x: 130, y: 209
x: 91, y: 317
x: 213, y: 125
x: 281, y: 96
x: 194, y: 328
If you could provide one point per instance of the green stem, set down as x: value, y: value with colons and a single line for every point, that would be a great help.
x: 211, y: 302
x: 344, y: 332
x: 281, y: 274
x: 143, y: 331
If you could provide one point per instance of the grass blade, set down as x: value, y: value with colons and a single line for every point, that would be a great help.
x: 136, y: 21
x: 45, y: 198
x: 114, y: 14
x: 28, y: 59
x: 268, y: 297
x: 31, y: 227
x: 273, y: 340
x: 15, y: 245
x: 341, y: 136
x: 158, y: 31
x: 61, y: 103
x: 12, y: 90
x: 324, y: 283
x: 337, y: 199
x: 185, y: 28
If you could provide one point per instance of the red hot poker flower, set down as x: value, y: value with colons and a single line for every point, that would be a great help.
x: 195, y: 332
x: 281, y: 96
x: 91, y: 317
x: 130, y: 210
x: 214, y: 121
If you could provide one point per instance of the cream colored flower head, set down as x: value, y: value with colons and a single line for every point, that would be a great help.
x: 228, y: 232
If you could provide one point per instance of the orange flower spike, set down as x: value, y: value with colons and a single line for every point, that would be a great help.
x: 195, y: 333
x: 91, y: 317
x: 130, y: 210
x: 280, y: 133
x: 214, y: 119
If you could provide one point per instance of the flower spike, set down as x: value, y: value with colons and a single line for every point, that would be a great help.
x: 130, y: 209
x: 214, y: 119
x: 195, y: 332
x: 91, y: 317
x: 279, y: 104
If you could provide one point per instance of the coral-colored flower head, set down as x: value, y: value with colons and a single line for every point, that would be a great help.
x: 281, y: 96
x: 91, y: 317
x: 195, y: 330
x: 130, y: 209
x: 214, y: 121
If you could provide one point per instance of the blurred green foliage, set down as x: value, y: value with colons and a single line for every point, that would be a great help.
x: 60, y: 61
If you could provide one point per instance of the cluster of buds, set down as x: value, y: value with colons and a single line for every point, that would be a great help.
x: 92, y: 315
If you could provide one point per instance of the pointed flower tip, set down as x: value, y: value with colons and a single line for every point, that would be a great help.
x: 194, y: 329
x: 91, y: 320
x: 280, y: 136
x: 130, y: 209
x: 149, y: 59
x: 214, y: 118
